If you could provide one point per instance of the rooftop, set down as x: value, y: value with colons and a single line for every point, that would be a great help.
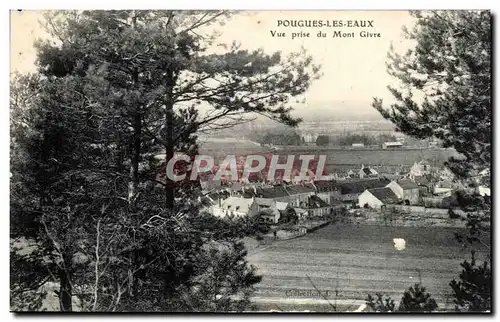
x: 264, y: 202
x: 421, y: 180
x: 325, y: 185
x: 317, y: 202
x: 299, y: 189
x: 384, y: 194
x: 407, y: 184
x: 393, y: 143
x: 359, y: 186
x: 237, y: 203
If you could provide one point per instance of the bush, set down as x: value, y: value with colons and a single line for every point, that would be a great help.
x: 381, y: 304
x: 414, y: 300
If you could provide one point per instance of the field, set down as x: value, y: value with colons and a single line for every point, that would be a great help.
x: 219, y: 148
x: 341, y: 158
x: 356, y: 260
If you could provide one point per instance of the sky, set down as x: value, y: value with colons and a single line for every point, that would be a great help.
x: 353, y: 69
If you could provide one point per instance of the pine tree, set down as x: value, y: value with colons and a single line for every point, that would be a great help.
x: 473, y: 291
x: 416, y: 300
x: 112, y: 92
x: 381, y: 304
x: 160, y: 66
x: 450, y: 67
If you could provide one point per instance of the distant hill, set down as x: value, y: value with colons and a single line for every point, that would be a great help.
x: 337, y: 111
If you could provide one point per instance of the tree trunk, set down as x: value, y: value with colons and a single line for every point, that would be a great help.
x: 137, y: 125
x: 136, y: 155
x: 65, y: 289
x: 169, y: 153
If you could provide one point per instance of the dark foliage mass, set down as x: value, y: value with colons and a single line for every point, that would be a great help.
x: 115, y: 95
x: 450, y: 67
x: 473, y: 291
x: 414, y: 299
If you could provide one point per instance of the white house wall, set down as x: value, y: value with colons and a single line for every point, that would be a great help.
x: 367, y: 198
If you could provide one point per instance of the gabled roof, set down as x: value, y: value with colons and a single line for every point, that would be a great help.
x: 421, y: 180
x: 299, y: 189
x: 270, y: 193
x: 407, y: 184
x: 316, y: 202
x: 264, y: 202
x: 386, y: 195
x: 359, y: 186
x: 272, y: 212
x: 325, y: 185
x: 218, y: 194
x: 397, y: 143
x: 368, y: 170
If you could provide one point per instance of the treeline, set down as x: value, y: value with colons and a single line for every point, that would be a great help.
x: 281, y: 136
x: 350, y: 139
x: 289, y: 136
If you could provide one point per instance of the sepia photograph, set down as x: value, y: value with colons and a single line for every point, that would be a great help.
x: 241, y: 161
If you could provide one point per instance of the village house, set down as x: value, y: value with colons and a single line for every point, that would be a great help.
x: 442, y: 191
x: 307, y: 199
x: 277, y: 193
x: 422, y: 181
x: 318, y: 207
x: 298, y: 194
x: 285, y: 210
x: 235, y: 206
x: 326, y: 190
x: 421, y: 168
x: 269, y: 215
x: 216, y: 194
x: 264, y: 203
x: 367, y: 172
x: 295, y: 195
x: 350, y: 174
x: 406, y: 190
x: 392, y: 145
x: 377, y: 198
x: 350, y: 190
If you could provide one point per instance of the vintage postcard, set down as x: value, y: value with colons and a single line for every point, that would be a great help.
x: 250, y: 161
